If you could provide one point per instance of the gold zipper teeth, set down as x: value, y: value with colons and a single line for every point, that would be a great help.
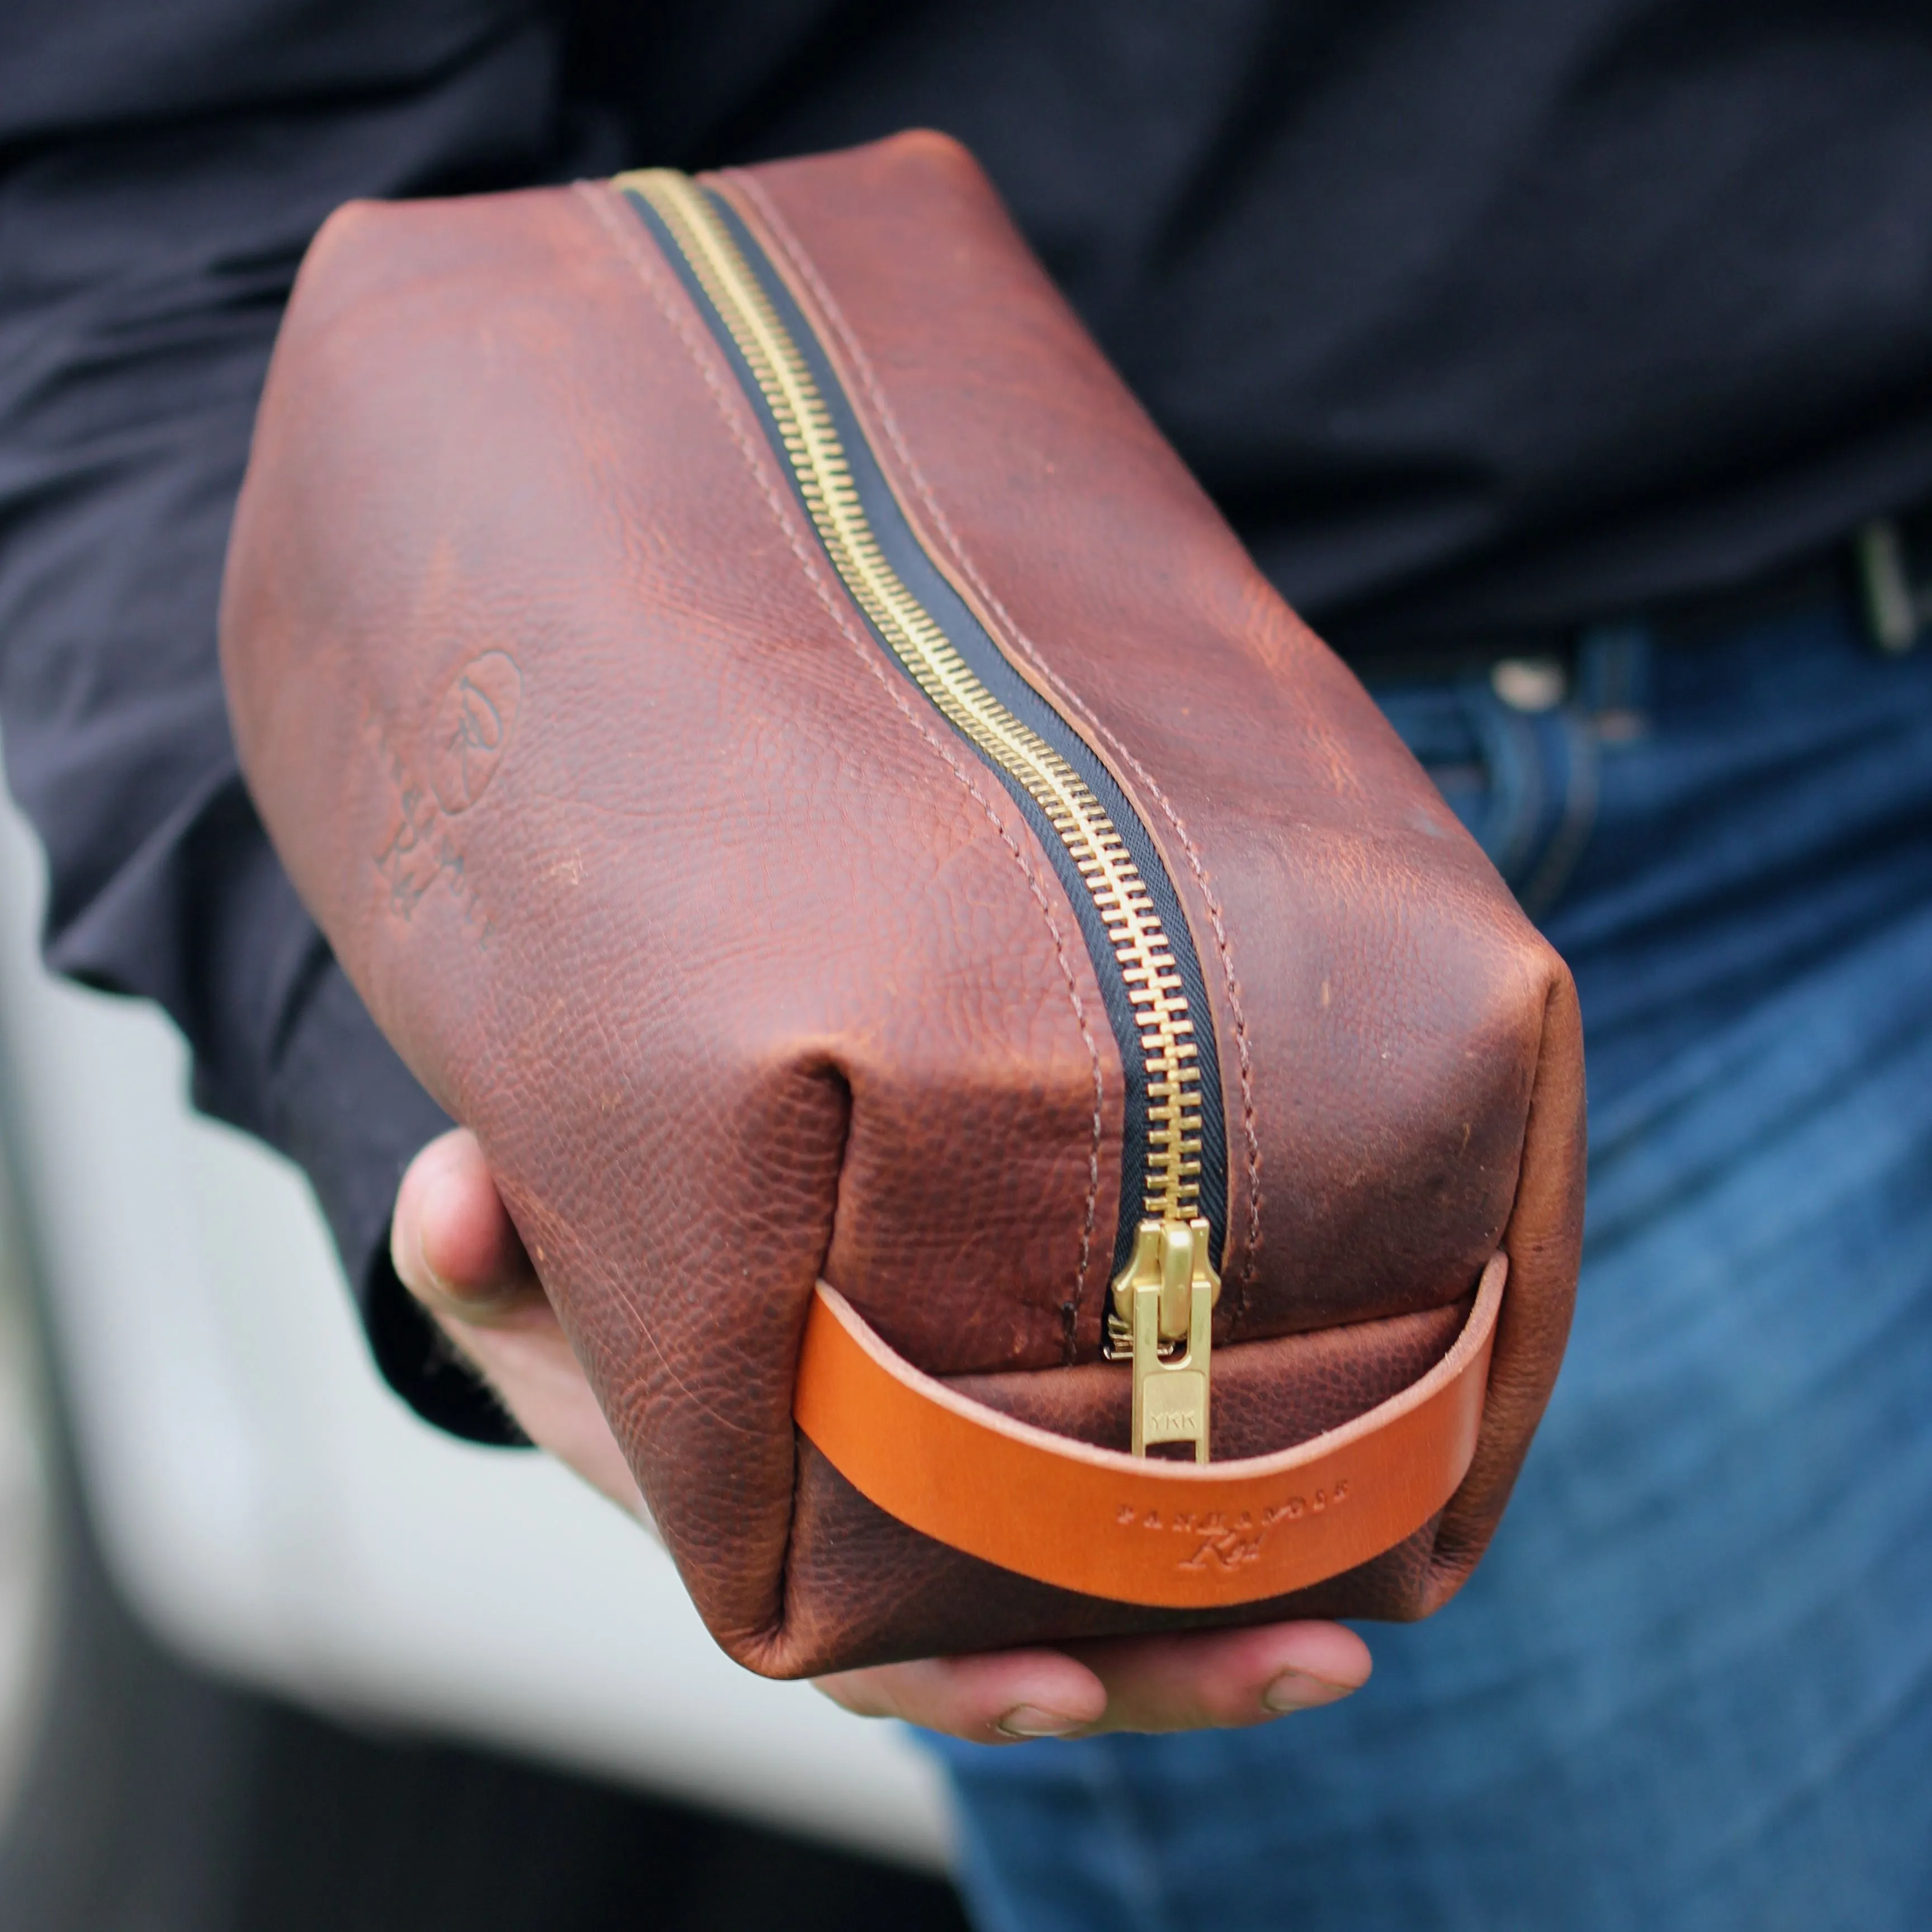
x: 811, y: 441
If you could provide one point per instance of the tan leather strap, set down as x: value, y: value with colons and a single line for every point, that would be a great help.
x: 1183, y: 1535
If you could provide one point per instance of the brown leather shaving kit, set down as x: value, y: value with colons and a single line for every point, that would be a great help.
x: 1035, y: 1117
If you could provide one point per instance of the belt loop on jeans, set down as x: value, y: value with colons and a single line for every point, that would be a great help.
x: 1884, y: 567
x: 1896, y: 609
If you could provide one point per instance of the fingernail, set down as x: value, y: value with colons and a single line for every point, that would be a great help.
x: 1297, y: 1690
x: 429, y: 1273
x: 1029, y: 1720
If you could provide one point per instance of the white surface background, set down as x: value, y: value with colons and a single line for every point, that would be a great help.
x: 274, y: 1514
x: 24, y: 1566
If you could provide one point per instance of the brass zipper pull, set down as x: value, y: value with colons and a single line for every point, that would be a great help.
x: 1164, y: 1300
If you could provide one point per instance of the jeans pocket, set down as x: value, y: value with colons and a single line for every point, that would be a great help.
x: 1515, y: 760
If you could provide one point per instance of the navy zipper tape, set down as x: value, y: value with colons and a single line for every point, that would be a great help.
x: 907, y: 555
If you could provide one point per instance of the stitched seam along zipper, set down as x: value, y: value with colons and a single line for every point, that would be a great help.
x: 700, y: 230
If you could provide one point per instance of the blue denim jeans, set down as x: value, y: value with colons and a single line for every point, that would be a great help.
x: 1691, y: 1685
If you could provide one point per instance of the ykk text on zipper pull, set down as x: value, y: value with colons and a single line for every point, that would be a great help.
x: 1164, y: 1299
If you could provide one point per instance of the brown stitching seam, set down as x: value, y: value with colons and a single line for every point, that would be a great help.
x: 632, y: 248
x: 862, y: 365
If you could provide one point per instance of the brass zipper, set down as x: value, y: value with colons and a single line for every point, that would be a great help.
x: 1163, y: 1297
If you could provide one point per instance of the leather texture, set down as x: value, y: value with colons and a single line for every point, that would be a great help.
x: 745, y: 972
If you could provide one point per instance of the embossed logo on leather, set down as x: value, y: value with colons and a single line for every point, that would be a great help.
x: 418, y: 847
x: 472, y: 729
x: 1218, y: 1541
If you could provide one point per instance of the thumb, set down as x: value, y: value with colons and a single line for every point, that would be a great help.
x: 452, y: 1240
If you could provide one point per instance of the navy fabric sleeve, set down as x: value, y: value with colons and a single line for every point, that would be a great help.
x: 161, y: 172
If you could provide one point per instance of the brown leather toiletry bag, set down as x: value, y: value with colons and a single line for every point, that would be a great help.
x: 957, y: 985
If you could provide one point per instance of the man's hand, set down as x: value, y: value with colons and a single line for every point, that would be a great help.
x: 456, y: 1252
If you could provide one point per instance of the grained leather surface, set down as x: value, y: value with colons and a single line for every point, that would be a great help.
x: 745, y: 970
